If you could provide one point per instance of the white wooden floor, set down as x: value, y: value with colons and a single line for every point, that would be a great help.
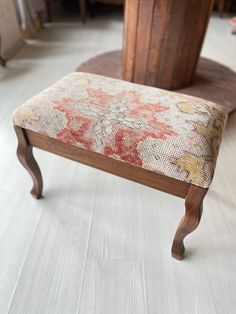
x: 98, y: 244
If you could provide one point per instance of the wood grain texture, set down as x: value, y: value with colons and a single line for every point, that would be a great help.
x: 26, y: 158
x: 129, y: 33
x: 190, y: 221
x: 140, y: 41
x: 163, y: 52
x: 99, y: 161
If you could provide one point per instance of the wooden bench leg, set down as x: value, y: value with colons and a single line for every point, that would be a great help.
x: 82, y: 4
x: 2, y: 62
x: 48, y: 9
x: 26, y: 158
x: 190, y: 221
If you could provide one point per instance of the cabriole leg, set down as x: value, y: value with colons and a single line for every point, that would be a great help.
x: 26, y: 158
x: 190, y: 221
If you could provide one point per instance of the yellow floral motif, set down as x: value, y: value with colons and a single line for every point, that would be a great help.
x: 25, y: 114
x: 194, y: 166
x: 186, y: 107
x: 211, y: 134
x: 207, y: 132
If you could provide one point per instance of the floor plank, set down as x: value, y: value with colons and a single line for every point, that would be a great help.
x: 51, y: 278
x: 117, y: 228
x: 19, y: 217
x: 116, y: 287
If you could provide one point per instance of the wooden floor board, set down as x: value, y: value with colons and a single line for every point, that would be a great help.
x: 117, y: 227
x: 53, y: 271
x: 19, y: 217
x: 113, y: 286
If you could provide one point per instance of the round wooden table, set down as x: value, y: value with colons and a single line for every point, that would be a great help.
x: 162, y: 44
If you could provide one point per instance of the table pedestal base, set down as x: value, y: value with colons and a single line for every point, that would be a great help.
x: 213, y: 81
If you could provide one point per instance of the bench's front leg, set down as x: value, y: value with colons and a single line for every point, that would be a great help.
x: 191, y: 219
x: 26, y: 158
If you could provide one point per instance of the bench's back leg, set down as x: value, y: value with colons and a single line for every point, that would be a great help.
x: 2, y: 62
x: 26, y: 158
x: 191, y: 219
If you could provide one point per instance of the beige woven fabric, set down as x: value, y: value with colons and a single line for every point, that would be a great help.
x: 165, y: 132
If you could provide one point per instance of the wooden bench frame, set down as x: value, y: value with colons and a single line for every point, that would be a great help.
x: 193, y: 195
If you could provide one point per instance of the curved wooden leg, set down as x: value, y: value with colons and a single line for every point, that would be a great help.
x: 193, y: 213
x: 26, y: 158
x: 2, y: 62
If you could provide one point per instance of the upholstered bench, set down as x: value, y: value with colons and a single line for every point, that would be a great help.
x: 161, y: 139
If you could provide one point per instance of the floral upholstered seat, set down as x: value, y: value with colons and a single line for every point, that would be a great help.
x: 165, y: 132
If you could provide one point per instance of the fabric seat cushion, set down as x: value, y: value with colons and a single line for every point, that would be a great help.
x: 166, y: 132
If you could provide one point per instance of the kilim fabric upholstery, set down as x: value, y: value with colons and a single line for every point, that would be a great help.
x: 165, y: 132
